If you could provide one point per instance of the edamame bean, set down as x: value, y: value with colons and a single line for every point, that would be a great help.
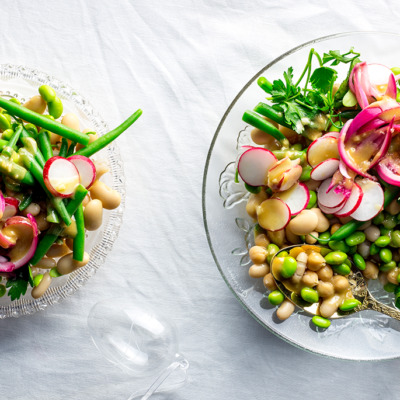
x: 389, y: 287
x: 355, y: 238
x: 272, y: 249
x: 313, y: 199
x: 310, y: 295
x: 352, y: 250
x: 386, y: 255
x: 321, y: 322
x: 385, y: 232
x: 342, y: 269
x: 378, y: 219
x: 306, y: 174
x: 37, y: 279
x: 382, y: 241
x: 395, y: 239
x: 289, y: 267
x: 48, y: 93
x: 339, y: 245
x: 349, y: 304
x: 389, y: 222
x: 276, y: 297
x: 387, y: 266
x: 335, y: 257
x: 110, y: 198
x: 359, y: 262
x: 283, y: 254
x: 324, y: 236
x: 6, y: 135
x: 55, y: 108
x: 373, y: 249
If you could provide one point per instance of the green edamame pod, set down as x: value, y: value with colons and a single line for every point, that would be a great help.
x: 55, y: 108
x: 359, y: 262
x: 276, y: 297
x: 321, y: 322
x: 48, y: 93
x: 310, y: 295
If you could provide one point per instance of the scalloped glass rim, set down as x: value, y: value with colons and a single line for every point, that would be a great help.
x: 22, y: 77
x: 214, y: 247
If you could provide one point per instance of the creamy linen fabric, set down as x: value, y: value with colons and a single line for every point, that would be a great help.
x: 182, y: 62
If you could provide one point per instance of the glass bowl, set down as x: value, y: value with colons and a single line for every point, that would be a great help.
x: 22, y: 83
x: 363, y: 336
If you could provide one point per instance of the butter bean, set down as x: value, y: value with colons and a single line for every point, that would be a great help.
x: 252, y: 203
x: 57, y: 250
x: 269, y: 282
x: 259, y: 270
x: 258, y: 254
x: 312, y: 238
x: 109, y: 197
x: 36, y: 104
x: 323, y: 222
x: 46, y: 263
x: 71, y: 121
x: 330, y: 305
x: 93, y: 215
x: 285, y: 310
x: 304, y: 223
x: 67, y: 264
x: 39, y: 291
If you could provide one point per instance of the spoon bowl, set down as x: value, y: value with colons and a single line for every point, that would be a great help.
x: 359, y: 288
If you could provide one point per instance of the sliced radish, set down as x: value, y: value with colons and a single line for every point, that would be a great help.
x: 333, y: 210
x: 372, y: 201
x: 388, y: 169
x: 322, y: 149
x: 325, y: 169
x: 86, y: 169
x: 60, y: 176
x: 331, y: 198
x: 352, y: 203
x: 254, y: 164
x: 332, y: 134
x: 296, y: 198
x: 273, y: 214
x: 10, y: 208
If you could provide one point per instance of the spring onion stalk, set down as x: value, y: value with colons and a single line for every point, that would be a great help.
x: 46, y: 123
x: 54, y: 232
x: 79, y: 239
x: 37, y: 172
x: 106, y: 139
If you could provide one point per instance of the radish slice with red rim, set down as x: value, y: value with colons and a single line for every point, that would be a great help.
x: 273, y: 214
x: 389, y: 170
x: 322, y: 149
x: 333, y: 210
x: 61, y: 177
x: 86, y: 169
x: 296, y: 198
x: 331, y: 199
x: 325, y: 169
x: 352, y: 203
x: 254, y: 164
x: 372, y: 201
x: 10, y: 208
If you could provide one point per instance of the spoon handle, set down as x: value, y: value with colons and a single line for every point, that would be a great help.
x: 372, y: 304
x: 179, y: 362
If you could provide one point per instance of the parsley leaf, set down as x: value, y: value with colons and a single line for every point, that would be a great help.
x: 323, y: 78
x: 18, y: 287
x: 337, y: 58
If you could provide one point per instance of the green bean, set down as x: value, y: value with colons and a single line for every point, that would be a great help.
x: 53, y: 233
x: 339, y: 245
x: 359, y: 262
x: 37, y: 172
x: 14, y: 100
x: 15, y: 137
x: 71, y: 150
x: 79, y: 239
x: 31, y: 145
x: 349, y: 304
x: 44, y: 122
x: 25, y: 201
x: 104, y: 140
x: 321, y: 322
x: 48, y: 93
x: 264, y: 84
x: 382, y: 241
x: 335, y: 257
x: 355, y: 238
x: 15, y: 171
x: 268, y: 111
x: 44, y: 144
x: 259, y: 122
x: 55, y: 107
x: 289, y: 267
x: 313, y: 199
x: 310, y: 295
x: 52, y: 215
x: 292, y: 154
x: 64, y: 148
x: 252, y: 189
x: 31, y: 130
x: 276, y: 297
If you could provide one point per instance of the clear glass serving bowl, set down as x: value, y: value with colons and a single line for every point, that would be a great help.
x: 363, y: 336
x: 22, y: 83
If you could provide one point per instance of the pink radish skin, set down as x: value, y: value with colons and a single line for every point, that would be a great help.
x: 254, y: 164
x: 10, y: 208
x: 86, y: 169
x: 352, y: 203
x: 372, y: 201
x: 330, y: 211
x: 329, y: 199
x: 332, y: 134
x: 60, y: 176
x: 273, y: 214
x: 387, y: 175
x: 296, y: 198
x: 2, y: 205
x: 325, y: 169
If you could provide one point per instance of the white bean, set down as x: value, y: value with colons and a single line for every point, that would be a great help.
x: 323, y: 222
x: 67, y: 264
x: 259, y: 270
x: 285, y: 310
x: 36, y: 104
x: 46, y: 263
x: 93, y: 215
x: 330, y: 305
x: 110, y: 198
x: 363, y: 249
x: 303, y: 223
x: 39, y: 291
x: 33, y: 209
x: 301, y: 267
x: 71, y: 121
x: 372, y: 233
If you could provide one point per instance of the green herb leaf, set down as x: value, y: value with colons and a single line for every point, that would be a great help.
x: 18, y: 287
x: 322, y: 79
x: 336, y: 57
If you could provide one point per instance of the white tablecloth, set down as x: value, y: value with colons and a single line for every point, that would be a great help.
x: 182, y: 62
